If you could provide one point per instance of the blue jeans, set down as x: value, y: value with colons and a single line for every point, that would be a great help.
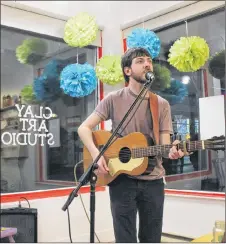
x: 129, y: 196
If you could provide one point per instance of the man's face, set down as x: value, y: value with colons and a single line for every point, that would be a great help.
x: 139, y: 67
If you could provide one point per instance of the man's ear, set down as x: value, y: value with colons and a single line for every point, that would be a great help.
x: 127, y: 71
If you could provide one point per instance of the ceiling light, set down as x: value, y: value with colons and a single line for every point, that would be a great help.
x: 185, y: 79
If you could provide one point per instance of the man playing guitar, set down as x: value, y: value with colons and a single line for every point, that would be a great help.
x: 141, y: 193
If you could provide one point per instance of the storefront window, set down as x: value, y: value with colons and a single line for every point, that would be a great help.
x: 49, y: 162
x: 203, y: 170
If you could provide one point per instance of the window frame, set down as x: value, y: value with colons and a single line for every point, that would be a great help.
x: 40, y: 171
x: 193, y: 12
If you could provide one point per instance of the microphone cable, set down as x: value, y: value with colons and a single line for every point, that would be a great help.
x: 83, y: 205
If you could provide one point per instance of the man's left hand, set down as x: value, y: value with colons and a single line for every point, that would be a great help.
x: 174, y: 153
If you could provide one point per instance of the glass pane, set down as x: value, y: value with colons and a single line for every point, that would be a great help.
x: 48, y: 163
x: 204, y: 169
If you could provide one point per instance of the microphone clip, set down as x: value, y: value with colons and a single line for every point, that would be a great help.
x: 150, y: 76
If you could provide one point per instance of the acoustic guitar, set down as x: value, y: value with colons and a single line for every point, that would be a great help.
x: 129, y: 154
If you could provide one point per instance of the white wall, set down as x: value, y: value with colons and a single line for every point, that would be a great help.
x: 191, y: 217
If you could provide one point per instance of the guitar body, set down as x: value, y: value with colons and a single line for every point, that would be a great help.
x: 118, y: 156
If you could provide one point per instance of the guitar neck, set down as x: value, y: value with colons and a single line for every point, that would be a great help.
x: 189, y: 146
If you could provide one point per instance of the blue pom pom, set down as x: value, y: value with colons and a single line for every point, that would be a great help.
x: 46, y: 88
x: 78, y: 80
x: 145, y: 38
x: 175, y: 93
x: 53, y: 68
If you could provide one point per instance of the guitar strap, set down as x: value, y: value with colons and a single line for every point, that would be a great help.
x: 153, y: 100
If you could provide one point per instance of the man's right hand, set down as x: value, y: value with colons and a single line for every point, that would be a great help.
x: 85, y: 133
x: 102, y: 166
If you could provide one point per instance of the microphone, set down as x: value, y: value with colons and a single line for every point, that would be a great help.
x: 149, y: 76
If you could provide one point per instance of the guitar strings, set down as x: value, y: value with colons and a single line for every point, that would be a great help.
x: 155, y: 148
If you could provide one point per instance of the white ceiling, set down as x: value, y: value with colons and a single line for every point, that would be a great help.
x: 121, y: 12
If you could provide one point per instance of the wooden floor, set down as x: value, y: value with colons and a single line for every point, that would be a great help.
x: 167, y: 239
x: 173, y: 239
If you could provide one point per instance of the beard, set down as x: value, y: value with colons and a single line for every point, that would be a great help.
x: 140, y: 79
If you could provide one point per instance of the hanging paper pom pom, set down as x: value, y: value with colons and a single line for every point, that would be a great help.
x: 27, y: 94
x: 109, y: 71
x: 78, y: 80
x: 162, y: 77
x: 80, y: 30
x: 53, y: 68
x: 145, y: 38
x: 217, y: 65
x: 188, y: 54
x: 31, y: 51
x: 175, y: 93
x: 46, y: 88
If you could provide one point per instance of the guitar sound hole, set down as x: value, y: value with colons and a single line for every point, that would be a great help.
x: 125, y: 155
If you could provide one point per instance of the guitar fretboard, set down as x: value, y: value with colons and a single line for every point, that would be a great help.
x: 150, y: 151
x: 156, y: 150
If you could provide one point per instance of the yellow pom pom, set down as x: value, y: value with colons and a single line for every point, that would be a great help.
x: 188, y: 54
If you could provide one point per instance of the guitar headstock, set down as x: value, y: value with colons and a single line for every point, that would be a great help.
x: 215, y: 143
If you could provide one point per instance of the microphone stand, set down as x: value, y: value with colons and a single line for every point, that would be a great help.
x: 90, y: 176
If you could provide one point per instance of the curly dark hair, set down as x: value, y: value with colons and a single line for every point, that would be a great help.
x: 128, y: 57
